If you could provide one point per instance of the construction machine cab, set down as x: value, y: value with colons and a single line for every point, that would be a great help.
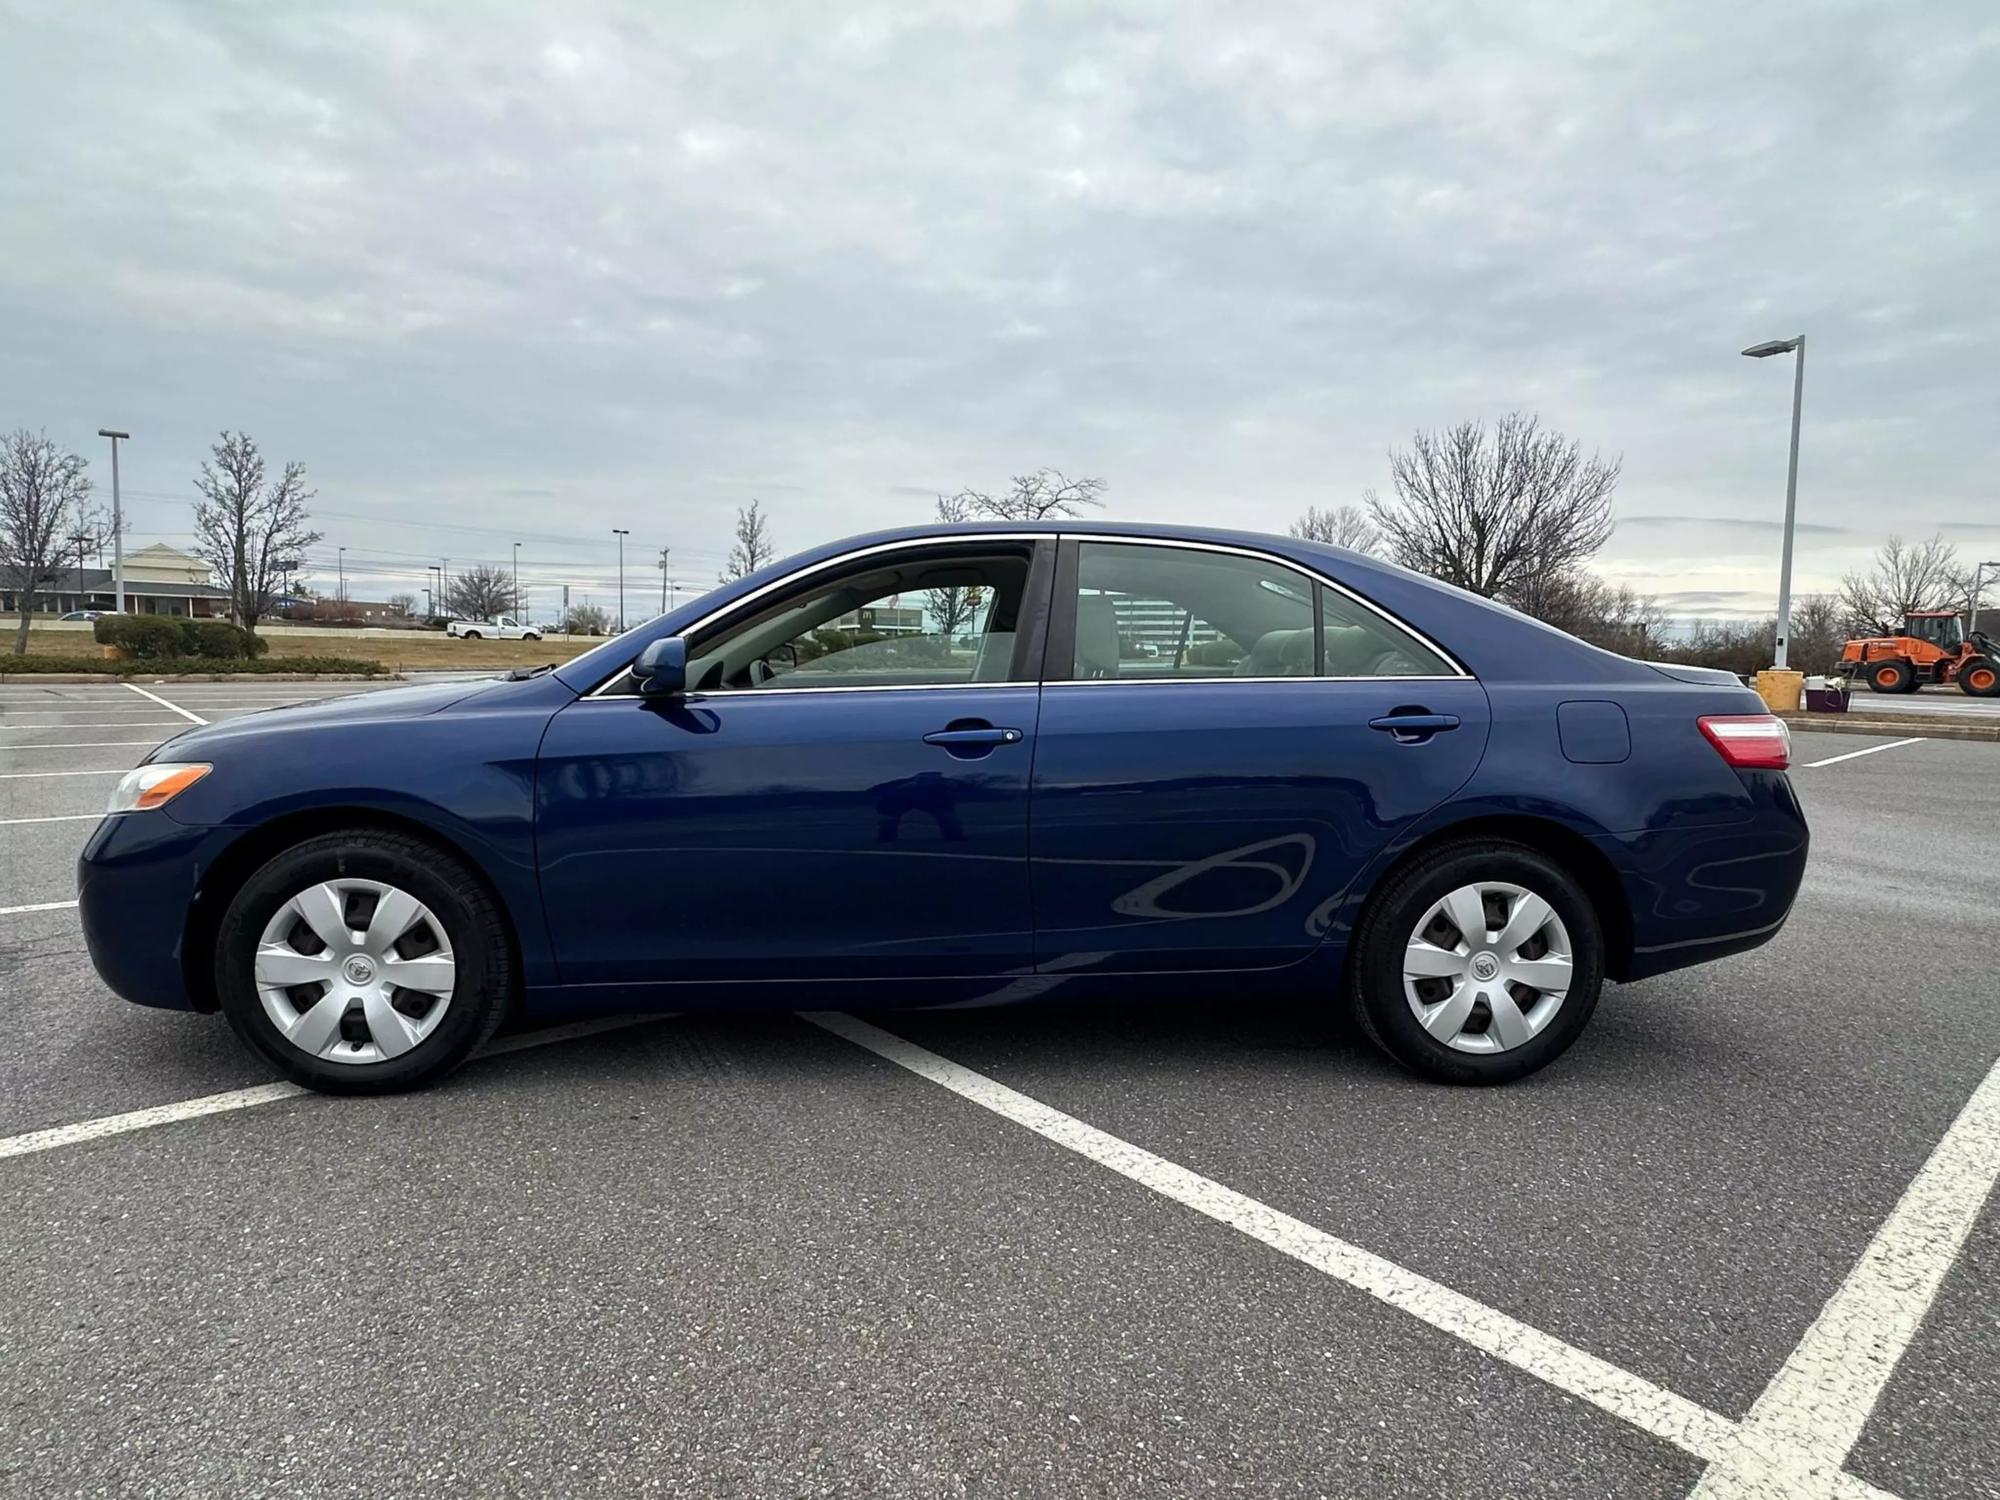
x: 1941, y: 628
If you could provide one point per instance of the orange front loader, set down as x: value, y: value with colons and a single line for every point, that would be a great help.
x: 1932, y: 648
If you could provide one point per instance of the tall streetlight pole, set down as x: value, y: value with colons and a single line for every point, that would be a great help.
x: 1797, y: 346
x: 621, y: 532
x: 341, y: 590
x: 117, y: 519
x: 81, y: 541
x: 665, y: 553
x: 517, y: 579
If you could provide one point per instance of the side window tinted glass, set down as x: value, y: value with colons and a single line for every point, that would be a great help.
x: 1360, y: 643
x: 1151, y: 612
x: 919, y: 621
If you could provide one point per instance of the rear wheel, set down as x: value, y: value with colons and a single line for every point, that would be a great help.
x: 468, y: 635
x: 363, y: 962
x: 1892, y: 677
x: 1480, y: 963
x: 1980, y: 677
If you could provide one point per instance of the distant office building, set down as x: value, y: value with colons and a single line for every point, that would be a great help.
x: 159, y: 580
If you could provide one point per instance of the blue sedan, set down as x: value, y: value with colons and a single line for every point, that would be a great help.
x: 968, y: 765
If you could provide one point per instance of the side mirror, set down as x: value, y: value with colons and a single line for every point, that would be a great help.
x: 662, y: 668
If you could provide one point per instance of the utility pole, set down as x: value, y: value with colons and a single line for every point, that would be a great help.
x: 665, y: 553
x: 621, y: 532
x: 569, y: 626
x: 1795, y: 345
x: 117, y: 519
x: 341, y: 560
x: 517, y: 580
x: 81, y: 541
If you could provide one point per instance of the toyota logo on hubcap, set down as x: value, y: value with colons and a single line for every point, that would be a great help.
x: 1485, y: 966
x: 360, y: 970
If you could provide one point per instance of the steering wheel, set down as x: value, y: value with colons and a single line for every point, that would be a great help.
x: 760, y: 672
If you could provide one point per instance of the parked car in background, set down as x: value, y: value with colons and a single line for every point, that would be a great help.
x: 506, y: 628
x: 83, y: 615
x: 1441, y: 818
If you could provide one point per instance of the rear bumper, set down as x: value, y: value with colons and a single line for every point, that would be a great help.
x: 134, y: 883
x: 1705, y: 893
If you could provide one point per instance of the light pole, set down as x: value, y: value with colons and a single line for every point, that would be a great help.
x: 81, y: 541
x: 665, y: 553
x: 117, y: 519
x: 1795, y: 345
x: 341, y: 590
x: 517, y: 580
x: 621, y: 532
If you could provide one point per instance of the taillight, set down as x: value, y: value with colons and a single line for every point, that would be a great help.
x: 1750, y: 742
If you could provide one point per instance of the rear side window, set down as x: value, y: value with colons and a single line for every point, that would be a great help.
x: 1360, y: 643
x: 1150, y: 613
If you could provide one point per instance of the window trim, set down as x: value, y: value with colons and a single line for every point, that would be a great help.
x: 1060, y: 659
x: 1035, y: 605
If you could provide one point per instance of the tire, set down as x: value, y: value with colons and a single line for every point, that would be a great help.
x: 468, y: 635
x: 1380, y: 993
x: 1979, y: 677
x: 351, y: 1042
x: 1892, y: 677
x: 532, y: 635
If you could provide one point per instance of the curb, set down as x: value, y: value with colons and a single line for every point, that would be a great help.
x: 1925, y: 728
x: 71, y: 678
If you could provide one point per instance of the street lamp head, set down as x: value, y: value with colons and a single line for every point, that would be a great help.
x: 621, y: 531
x: 107, y: 432
x: 1773, y: 346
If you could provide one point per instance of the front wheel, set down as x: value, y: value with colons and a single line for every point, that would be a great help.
x: 532, y: 635
x: 1479, y: 963
x: 1980, y: 677
x: 364, y: 962
x: 1892, y: 677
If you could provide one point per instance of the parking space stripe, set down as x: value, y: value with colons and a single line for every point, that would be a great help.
x: 266, y: 1093
x: 1651, y: 1408
x: 78, y: 745
x: 1834, y: 760
x: 50, y: 818
x: 172, y: 707
x: 41, y: 775
x: 1799, y: 1433
x: 11, y: 723
x: 15, y: 911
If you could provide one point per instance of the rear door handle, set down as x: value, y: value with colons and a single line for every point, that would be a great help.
x: 988, y: 736
x: 1413, y: 728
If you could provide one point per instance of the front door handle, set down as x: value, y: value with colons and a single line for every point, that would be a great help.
x: 1413, y: 727
x: 988, y: 735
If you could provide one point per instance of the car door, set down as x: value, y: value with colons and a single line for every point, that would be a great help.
x: 1224, y: 742
x: 841, y: 793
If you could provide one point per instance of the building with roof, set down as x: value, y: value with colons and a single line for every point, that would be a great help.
x: 159, y: 580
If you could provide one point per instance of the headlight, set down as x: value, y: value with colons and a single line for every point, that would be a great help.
x: 149, y: 787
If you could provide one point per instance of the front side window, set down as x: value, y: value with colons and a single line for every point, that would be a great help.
x: 915, y: 621
x: 1181, y: 612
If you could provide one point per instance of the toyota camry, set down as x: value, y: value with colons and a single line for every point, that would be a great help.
x: 968, y: 765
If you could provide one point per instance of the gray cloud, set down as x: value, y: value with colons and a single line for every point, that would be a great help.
x: 546, y: 271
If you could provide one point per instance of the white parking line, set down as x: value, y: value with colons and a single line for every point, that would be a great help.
x: 128, y: 723
x: 52, y: 818
x: 266, y: 1093
x: 173, y: 707
x: 1834, y: 760
x: 1802, y: 1428
x: 39, y: 775
x: 1638, y: 1401
x: 15, y: 911
x: 78, y: 745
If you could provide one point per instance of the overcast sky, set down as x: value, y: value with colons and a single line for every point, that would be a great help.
x: 529, y: 272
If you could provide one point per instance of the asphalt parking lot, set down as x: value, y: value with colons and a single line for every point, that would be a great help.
x: 1182, y: 1249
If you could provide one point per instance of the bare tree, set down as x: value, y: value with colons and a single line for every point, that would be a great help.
x: 753, y: 547
x: 1487, y: 510
x: 1818, y: 633
x: 480, y: 592
x: 954, y: 606
x: 1342, y: 526
x: 1613, y: 616
x: 247, y: 529
x: 586, y: 619
x: 403, y: 603
x: 1902, y: 578
x: 1034, y: 497
x: 44, y: 501
x: 956, y: 509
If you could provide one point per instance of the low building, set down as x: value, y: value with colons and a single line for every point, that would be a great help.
x: 159, y: 580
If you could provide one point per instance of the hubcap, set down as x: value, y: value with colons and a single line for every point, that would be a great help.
x: 355, y: 971
x: 1487, y: 968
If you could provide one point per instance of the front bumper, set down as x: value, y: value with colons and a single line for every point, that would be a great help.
x: 135, y: 881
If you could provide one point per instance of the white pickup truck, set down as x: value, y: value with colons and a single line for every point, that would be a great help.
x: 506, y: 628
